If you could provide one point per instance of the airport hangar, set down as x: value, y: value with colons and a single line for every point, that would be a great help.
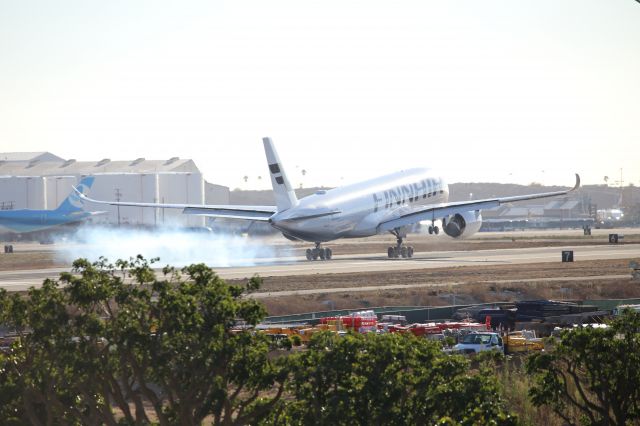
x: 42, y: 180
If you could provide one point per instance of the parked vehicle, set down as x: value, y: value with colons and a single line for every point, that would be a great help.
x: 474, y: 343
x: 522, y: 341
x: 621, y: 308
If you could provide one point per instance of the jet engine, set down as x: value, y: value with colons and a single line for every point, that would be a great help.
x: 462, y: 225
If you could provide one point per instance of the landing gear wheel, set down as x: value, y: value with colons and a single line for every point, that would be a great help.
x: 319, y: 252
x: 430, y: 229
x: 436, y: 230
x: 400, y: 250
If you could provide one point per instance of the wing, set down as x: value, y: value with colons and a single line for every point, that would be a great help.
x: 437, y: 211
x: 259, y: 213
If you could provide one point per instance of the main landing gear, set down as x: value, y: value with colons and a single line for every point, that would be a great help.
x: 400, y: 250
x: 319, y: 253
x: 433, y: 229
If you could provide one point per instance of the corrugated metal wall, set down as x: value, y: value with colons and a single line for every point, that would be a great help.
x: 166, y: 187
x: 23, y: 192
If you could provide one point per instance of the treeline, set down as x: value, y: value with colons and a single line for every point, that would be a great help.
x: 94, y: 349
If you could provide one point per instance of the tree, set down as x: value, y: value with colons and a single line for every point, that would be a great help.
x: 114, y: 344
x: 593, y: 372
x: 109, y: 342
x: 387, y: 379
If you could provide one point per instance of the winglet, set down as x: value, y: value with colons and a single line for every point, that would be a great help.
x: 78, y: 192
x: 577, y: 182
x: 83, y: 197
x: 73, y: 202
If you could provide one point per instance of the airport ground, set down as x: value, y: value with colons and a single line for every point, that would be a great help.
x: 582, y: 280
x: 502, y: 266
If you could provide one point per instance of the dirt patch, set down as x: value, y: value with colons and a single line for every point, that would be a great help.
x: 460, y: 274
x: 460, y: 285
x: 459, y: 295
x: 30, y: 260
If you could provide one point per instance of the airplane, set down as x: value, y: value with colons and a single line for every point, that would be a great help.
x: 69, y: 211
x: 390, y: 203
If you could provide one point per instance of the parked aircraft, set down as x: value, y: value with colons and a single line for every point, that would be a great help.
x: 69, y: 211
x: 390, y: 203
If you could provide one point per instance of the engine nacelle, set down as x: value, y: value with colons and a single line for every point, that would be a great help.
x: 462, y: 225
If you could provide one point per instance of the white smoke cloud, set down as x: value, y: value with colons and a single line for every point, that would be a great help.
x: 174, y: 246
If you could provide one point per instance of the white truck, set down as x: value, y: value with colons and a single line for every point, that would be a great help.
x: 475, y: 342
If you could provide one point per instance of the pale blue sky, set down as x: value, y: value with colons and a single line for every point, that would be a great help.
x: 499, y: 90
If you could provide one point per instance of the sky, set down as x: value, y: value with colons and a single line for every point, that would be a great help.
x: 498, y: 90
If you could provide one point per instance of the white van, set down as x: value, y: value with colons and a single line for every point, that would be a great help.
x: 474, y: 343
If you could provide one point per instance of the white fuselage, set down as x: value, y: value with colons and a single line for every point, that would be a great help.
x: 357, y: 210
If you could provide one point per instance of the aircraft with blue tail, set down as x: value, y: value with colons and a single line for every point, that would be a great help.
x: 69, y: 211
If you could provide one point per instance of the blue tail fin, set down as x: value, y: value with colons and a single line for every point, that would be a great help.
x: 73, y: 203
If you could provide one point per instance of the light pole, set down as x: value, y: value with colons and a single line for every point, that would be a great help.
x: 118, y: 195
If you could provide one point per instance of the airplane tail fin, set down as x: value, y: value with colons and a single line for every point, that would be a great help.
x: 73, y: 202
x: 285, y: 195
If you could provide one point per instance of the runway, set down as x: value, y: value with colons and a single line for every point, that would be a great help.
x: 298, y: 266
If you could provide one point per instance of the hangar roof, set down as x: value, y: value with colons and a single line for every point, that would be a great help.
x: 36, y: 167
x: 28, y: 156
x: 562, y: 204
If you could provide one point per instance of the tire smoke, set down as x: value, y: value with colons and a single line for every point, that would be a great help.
x: 174, y: 246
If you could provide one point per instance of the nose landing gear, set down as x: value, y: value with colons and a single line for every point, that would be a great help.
x: 400, y: 250
x: 319, y: 253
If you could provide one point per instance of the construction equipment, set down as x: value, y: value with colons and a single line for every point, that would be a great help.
x: 522, y: 341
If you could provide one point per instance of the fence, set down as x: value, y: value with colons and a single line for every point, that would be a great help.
x: 424, y: 313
